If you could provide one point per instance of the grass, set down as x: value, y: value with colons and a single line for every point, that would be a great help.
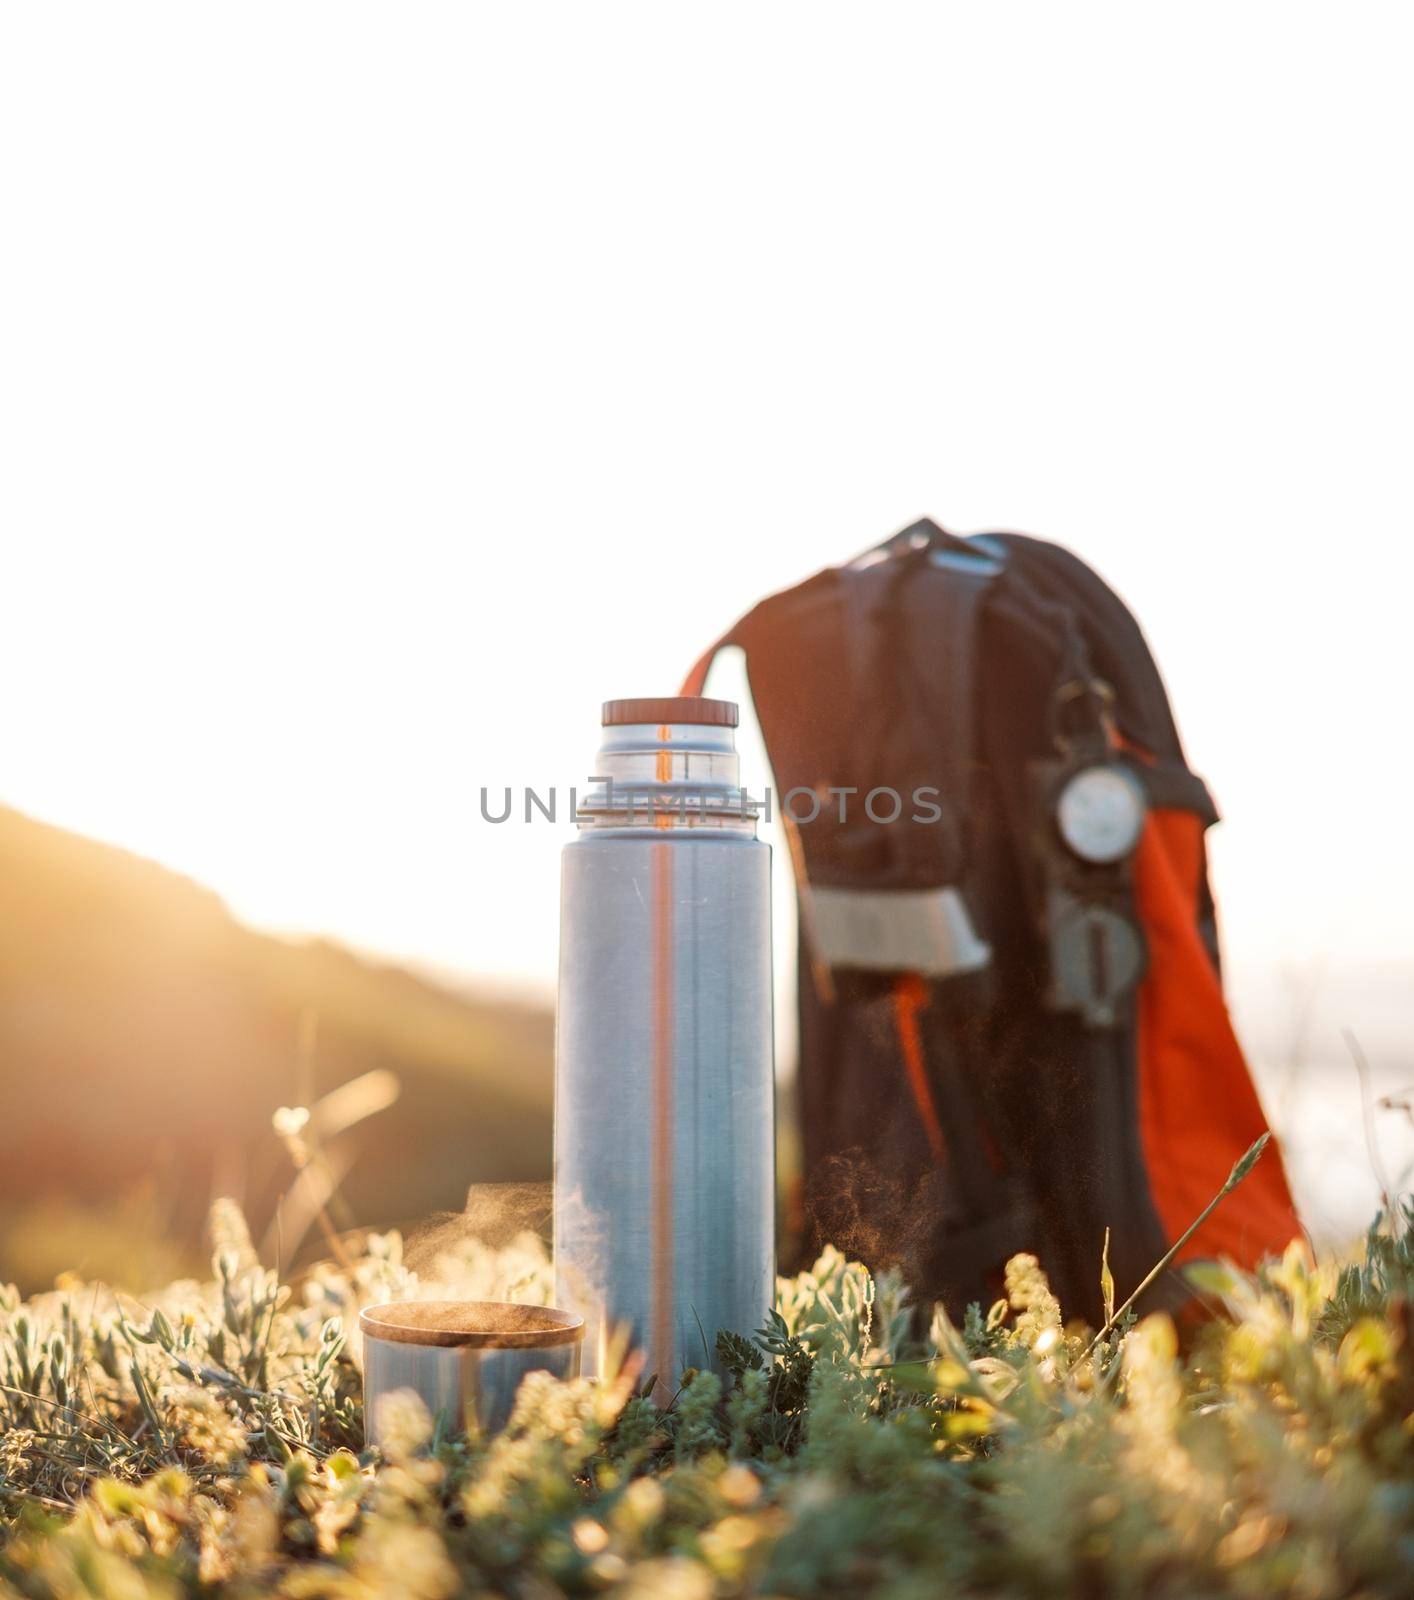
x: 209, y: 1441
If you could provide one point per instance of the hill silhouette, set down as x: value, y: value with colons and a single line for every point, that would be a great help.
x: 147, y: 1036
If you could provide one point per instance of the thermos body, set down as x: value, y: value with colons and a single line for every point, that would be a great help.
x: 664, y: 1085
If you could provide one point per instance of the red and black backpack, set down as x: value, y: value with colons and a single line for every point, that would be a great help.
x: 1012, y: 1027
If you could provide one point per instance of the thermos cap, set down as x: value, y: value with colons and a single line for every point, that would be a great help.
x: 471, y: 1324
x: 690, y: 708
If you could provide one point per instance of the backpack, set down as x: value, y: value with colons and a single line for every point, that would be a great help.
x: 1013, y: 1036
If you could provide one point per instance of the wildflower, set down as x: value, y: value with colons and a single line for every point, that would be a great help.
x: 739, y: 1487
x: 201, y: 1424
x: 1030, y: 1295
x: 590, y: 1537
x: 404, y: 1425
x: 290, y: 1121
x: 16, y: 1445
x: 398, y: 1558
x: 230, y: 1233
x: 674, y: 1578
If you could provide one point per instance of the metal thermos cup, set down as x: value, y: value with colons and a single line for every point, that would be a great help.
x: 462, y: 1356
x: 664, y: 1087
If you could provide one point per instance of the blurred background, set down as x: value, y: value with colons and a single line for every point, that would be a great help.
x: 380, y: 391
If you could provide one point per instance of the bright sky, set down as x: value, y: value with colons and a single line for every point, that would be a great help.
x: 381, y: 388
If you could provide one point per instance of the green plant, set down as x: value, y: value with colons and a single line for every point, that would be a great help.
x: 209, y: 1440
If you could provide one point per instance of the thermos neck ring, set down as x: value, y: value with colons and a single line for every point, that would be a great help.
x: 666, y: 776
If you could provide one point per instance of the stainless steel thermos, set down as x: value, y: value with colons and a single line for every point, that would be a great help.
x: 664, y: 1089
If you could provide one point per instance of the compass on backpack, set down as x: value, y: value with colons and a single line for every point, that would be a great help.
x: 1089, y: 809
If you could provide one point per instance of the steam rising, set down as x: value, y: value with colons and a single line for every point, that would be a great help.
x: 877, y: 1216
x: 495, y: 1248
